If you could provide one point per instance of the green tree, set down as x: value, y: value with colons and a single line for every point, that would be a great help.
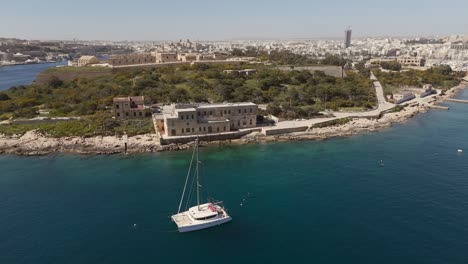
x: 54, y: 82
x: 4, y: 97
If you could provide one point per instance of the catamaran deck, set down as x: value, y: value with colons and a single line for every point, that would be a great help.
x: 182, y: 219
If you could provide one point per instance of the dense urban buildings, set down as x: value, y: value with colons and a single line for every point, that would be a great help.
x: 451, y: 50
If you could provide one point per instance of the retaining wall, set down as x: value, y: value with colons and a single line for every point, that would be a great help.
x: 278, y: 131
x: 209, y: 137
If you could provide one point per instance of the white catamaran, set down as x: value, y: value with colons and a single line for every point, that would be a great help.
x: 203, y: 215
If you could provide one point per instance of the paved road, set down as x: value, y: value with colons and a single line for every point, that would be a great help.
x: 383, y: 105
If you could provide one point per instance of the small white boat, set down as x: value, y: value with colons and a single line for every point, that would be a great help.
x: 200, y: 216
x: 460, y: 150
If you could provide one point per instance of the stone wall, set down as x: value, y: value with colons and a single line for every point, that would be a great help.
x: 269, y: 132
x: 209, y: 137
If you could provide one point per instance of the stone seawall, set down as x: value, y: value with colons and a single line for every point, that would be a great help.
x: 279, y: 131
x: 210, y: 137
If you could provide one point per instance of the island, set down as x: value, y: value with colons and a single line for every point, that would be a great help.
x: 272, y: 97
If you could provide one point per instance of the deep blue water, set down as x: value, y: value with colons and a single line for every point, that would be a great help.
x: 310, y: 202
x: 22, y: 74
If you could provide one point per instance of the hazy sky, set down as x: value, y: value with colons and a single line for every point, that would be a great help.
x: 218, y: 20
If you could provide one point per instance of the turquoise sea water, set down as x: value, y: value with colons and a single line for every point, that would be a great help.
x: 310, y: 202
x: 22, y: 74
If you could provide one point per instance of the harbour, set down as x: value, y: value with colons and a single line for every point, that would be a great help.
x: 25, y: 74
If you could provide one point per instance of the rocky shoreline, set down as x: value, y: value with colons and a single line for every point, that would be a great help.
x: 33, y: 143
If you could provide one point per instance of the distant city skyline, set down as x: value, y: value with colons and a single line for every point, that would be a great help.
x: 212, y: 20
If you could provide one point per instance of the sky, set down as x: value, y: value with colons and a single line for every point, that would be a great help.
x: 226, y: 20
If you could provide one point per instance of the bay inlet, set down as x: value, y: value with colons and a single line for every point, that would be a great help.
x: 15, y: 75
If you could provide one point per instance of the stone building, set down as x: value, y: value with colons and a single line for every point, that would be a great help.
x: 87, y: 60
x: 411, y: 61
x: 185, y: 120
x: 130, y: 107
x: 205, y: 57
x: 162, y: 57
x: 459, y: 46
x: 187, y: 57
x: 131, y: 59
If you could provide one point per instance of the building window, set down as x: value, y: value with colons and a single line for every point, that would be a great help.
x: 211, y: 113
x: 244, y: 123
x: 134, y: 113
x: 204, y: 113
x: 225, y: 112
x: 141, y: 114
x: 198, y: 113
x: 217, y: 129
x: 182, y: 130
x: 182, y: 117
x: 229, y: 112
x: 193, y: 130
x: 204, y: 129
x: 118, y: 114
x: 188, y: 117
x: 239, y: 111
x: 188, y: 124
x: 238, y: 122
x: 224, y: 128
x: 126, y: 113
x: 245, y: 111
x: 250, y: 110
x: 221, y: 113
x: 250, y: 121
x: 193, y: 117
x: 117, y: 106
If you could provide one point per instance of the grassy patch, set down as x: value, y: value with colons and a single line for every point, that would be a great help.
x: 336, y: 122
x: 353, y: 109
x: 86, y: 127
x: 396, y: 109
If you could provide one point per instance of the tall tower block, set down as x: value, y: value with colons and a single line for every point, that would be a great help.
x: 348, y: 37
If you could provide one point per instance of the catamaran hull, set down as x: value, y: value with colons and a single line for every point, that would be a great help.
x: 195, y: 227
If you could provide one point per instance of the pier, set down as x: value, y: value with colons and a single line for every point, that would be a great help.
x: 438, y: 107
x: 457, y: 100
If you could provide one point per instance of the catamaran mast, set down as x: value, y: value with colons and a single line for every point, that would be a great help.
x: 186, y: 180
x: 198, y: 182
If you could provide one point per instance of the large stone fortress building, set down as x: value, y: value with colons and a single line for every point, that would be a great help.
x: 189, y: 120
x: 131, y: 59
